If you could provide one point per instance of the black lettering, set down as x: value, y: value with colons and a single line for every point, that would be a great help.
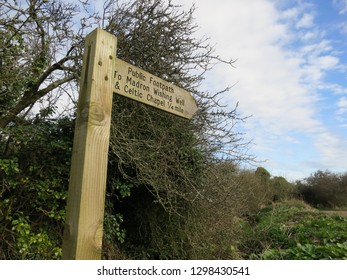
x: 160, y: 85
x: 132, y: 91
x: 155, y: 101
x: 179, y: 109
x: 137, y: 84
x: 136, y: 74
x: 162, y: 94
x: 180, y: 101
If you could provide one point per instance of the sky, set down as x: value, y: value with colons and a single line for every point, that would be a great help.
x: 290, y: 76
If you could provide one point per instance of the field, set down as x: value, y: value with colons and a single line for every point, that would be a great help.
x: 295, y: 231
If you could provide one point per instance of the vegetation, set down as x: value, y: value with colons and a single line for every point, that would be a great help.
x: 175, y: 189
x: 324, y: 189
x: 39, y: 55
x: 34, y: 169
x: 295, y: 231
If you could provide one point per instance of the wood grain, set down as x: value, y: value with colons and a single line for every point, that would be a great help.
x: 86, y: 196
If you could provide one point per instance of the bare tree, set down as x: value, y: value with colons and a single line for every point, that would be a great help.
x: 39, y: 53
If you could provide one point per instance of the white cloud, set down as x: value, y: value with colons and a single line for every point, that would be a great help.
x: 309, y: 35
x: 316, y: 49
x: 268, y: 75
x: 341, y: 111
x: 327, y: 62
x: 342, y: 106
x: 333, y: 150
x: 291, y: 14
x: 306, y: 21
x: 341, y: 5
x: 343, y: 27
x: 277, y: 85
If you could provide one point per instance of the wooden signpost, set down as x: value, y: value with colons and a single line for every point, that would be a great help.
x: 102, y: 75
x: 139, y: 85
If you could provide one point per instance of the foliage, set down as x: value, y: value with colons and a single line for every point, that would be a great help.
x: 161, y: 168
x: 327, y: 251
x: 34, y: 168
x: 282, y: 189
x: 324, y: 189
x: 287, y: 231
x: 210, y: 229
x: 159, y: 236
x: 32, y: 245
x: 263, y: 173
x: 215, y: 221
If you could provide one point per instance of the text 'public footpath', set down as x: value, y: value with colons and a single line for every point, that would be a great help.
x: 137, y: 85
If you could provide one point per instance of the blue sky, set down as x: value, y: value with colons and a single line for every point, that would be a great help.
x: 291, y: 75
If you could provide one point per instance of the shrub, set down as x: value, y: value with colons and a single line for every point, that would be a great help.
x: 34, y: 169
x: 282, y: 189
x: 324, y: 189
x: 215, y: 222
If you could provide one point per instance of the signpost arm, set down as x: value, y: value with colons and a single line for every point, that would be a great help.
x: 86, y: 196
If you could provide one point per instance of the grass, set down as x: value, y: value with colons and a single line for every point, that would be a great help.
x: 293, y: 230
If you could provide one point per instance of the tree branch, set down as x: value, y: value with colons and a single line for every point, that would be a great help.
x: 29, y: 98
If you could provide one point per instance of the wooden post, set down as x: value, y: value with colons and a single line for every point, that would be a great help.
x: 86, y: 197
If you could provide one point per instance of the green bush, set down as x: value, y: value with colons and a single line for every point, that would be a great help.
x: 34, y: 172
x: 324, y: 189
x: 282, y: 189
